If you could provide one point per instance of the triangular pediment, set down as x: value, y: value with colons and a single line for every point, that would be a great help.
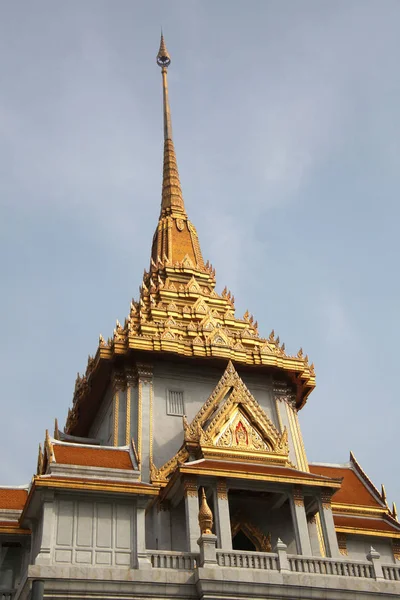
x: 230, y: 425
x: 232, y: 418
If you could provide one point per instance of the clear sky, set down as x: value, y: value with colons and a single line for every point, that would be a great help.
x: 287, y: 130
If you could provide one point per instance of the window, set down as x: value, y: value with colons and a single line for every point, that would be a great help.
x: 175, y: 402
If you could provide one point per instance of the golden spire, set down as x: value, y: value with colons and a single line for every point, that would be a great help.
x: 175, y: 240
x: 172, y: 200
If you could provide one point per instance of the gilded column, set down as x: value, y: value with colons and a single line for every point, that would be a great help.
x: 221, y: 514
x: 145, y: 418
x: 191, y: 511
x: 131, y: 379
x: 118, y: 384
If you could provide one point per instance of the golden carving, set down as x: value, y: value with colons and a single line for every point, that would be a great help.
x: 128, y: 416
x: 190, y: 487
x: 161, y: 475
x: 222, y: 491
x: 298, y: 496
x: 342, y: 543
x: 116, y: 419
x: 39, y: 469
x: 326, y: 499
x: 262, y: 542
x: 396, y: 549
x: 205, y: 515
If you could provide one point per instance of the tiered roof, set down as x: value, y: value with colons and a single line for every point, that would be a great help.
x: 179, y: 311
x: 358, y: 506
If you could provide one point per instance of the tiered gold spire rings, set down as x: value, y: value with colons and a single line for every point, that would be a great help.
x: 163, y: 58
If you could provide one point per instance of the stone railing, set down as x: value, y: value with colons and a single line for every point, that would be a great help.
x: 391, y: 572
x: 331, y: 566
x: 166, y: 559
x: 247, y: 560
x: 7, y: 594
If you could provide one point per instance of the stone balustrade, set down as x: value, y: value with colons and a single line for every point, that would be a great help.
x: 248, y: 560
x: 269, y: 561
x: 166, y: 559
x: 391, y: 572
x: 331, y: 566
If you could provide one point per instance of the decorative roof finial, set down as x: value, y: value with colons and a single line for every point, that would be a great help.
x: 205, y: 515
x: 163, y: 58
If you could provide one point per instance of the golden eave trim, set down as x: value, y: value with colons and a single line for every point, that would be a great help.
x: 116, y: 488
x: 372, y: 532
x: 186, y: 469
x: 355, y: 509
x: 14, y: 530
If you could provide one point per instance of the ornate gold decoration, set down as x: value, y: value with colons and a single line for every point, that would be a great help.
x: 128, y: 415
x: 205, y: 515
x: 342, y: 543
x: 394, y: 511
x: 176, y: 260
x: 298, y: 496
x: 326, y: 499
x: 190, y: 487
x: 39, y: 469
x: 396, y: 548
x: 161, y: 475
x: 48, y: 446
x: 116, y: 418
x: 262, y: 542
x: 222, y: 491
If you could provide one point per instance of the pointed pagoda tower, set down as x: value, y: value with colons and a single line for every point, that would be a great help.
x: 182, y: 456
x: 179, y: 312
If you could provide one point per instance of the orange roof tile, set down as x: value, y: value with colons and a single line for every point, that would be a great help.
x: 353, y: 490
x: 13, y: 498
x: 92, y: 457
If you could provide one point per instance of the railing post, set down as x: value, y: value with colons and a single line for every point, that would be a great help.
x: 281, y: 549
x: 375, y: 558
x: 208, y: 549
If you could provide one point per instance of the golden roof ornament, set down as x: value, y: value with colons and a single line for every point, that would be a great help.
x: 205, y: 515
x: 163, y: 57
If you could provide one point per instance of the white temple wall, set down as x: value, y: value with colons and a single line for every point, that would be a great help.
x: 197, y: 384
x: 178, y: 527
x: 99, y: 533
x: 102, y: 427
x: 358, y: 546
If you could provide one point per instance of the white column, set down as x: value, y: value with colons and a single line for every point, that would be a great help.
x: 328, y: 526
x: 141, y: 561
x: 300, y: 522
x: 222, y: 517
x: 163, y: 533
x: 46, y: 529
x: 192, y: 514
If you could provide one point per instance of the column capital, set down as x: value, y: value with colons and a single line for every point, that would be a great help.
x: 131, y: 376
x: 326, y: 499
x: 298, y: 496
x: 222, y: 490
x: 190, y: 487
x: 118, y: 381
x: 145, y: 372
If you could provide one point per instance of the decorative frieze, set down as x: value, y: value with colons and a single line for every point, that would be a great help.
x: 222, y: 492
x: 342, y: 543
x: 190, y: 487
x: 326, y: 498
x: 298, y: 496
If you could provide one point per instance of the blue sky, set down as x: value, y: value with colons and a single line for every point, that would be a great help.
x: 287, y: 126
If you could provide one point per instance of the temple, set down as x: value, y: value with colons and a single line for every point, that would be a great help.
x: 181, y: 470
